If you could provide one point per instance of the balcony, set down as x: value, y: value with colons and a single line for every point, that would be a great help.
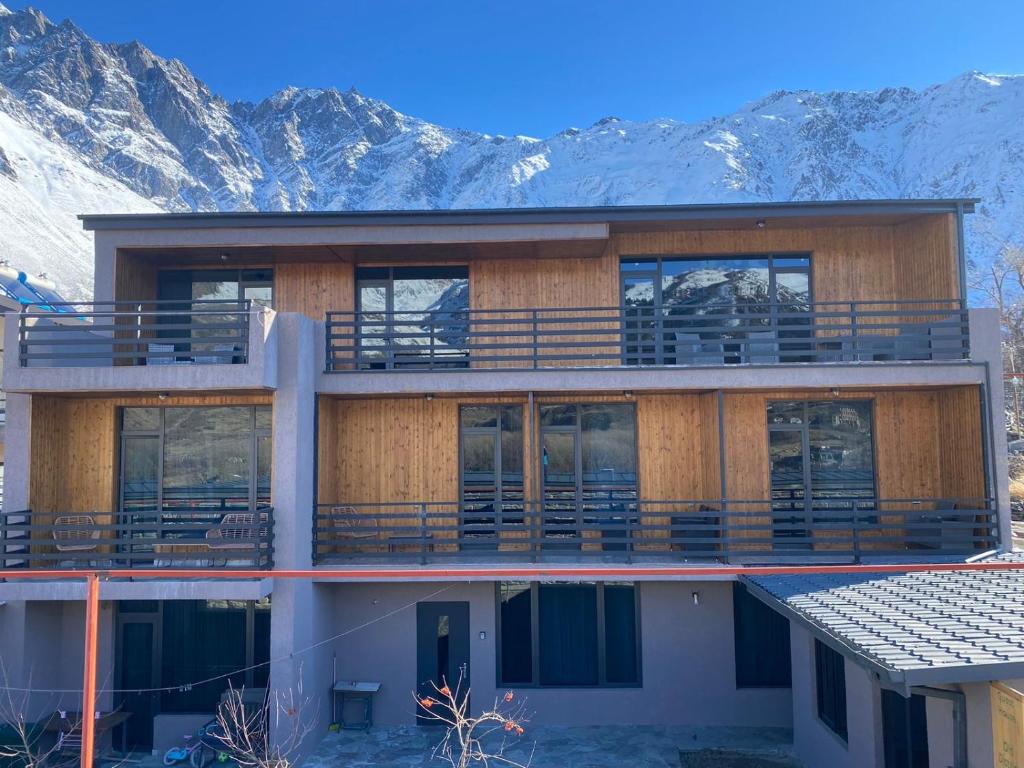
x: 672, y: 532
x: 186, y: 538
x: 151, y: 345
x: 705, y: 335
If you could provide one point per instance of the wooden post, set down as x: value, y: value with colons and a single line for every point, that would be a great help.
x: 92, y: 617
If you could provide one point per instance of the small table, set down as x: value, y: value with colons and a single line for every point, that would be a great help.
x: 354, y: 690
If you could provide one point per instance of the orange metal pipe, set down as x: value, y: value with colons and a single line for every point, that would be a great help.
x: 92, y: 620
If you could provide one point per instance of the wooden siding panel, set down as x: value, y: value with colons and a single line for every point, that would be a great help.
x: 925, y: 252
x: 314, y: 288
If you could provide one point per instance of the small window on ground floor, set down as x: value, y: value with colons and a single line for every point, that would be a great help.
x: 565, y: 635
x: 761, y: 643
x: 830, y: 677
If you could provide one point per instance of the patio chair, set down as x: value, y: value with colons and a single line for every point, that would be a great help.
x: 239, y: 531
x: 161, y: 359
x: 352, y: 527
x: 75, y: 533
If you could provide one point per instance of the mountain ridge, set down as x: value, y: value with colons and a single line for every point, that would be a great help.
x: 89, y: 127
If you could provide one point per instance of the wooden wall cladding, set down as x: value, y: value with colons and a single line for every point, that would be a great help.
x: 134, y: 279
x: 381, y: 450
x: 916, y: 259
x: 314, y: 288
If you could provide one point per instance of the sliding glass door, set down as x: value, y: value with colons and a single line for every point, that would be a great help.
x: 588, y: 472
x: 491, y: 473
x: 822, y: 463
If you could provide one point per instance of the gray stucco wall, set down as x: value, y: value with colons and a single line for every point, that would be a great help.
x: 814, y: 742
x: 687, y: 658
x: 41, y: 647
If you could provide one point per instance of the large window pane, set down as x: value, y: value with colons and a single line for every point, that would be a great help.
x: 620, y: 633
x: 140, y: 474
x: 516, y: 633
x: 609, y: 447
x: 429, y: 306
x: 572, y: 621
x: 207, y: 456
x: 568, y: 634
x: 761, y: 642
x: 830, y: 678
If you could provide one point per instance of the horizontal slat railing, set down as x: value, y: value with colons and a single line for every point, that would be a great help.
x: 239, y: 539
x: 845, y: 530
x: 171, y: 332
x: 719, y: 334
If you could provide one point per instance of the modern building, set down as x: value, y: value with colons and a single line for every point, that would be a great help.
x: 528, y: 447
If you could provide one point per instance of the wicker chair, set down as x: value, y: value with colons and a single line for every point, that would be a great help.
x: 240, y: 532
x: 75, y: 533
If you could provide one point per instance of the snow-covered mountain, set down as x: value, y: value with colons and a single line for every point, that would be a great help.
x: 101, y: 127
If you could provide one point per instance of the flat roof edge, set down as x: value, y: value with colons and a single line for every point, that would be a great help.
x: 610, y: 214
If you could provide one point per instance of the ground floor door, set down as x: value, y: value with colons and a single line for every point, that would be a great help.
x: 904, y: 731
x: 442, y: 649
x: 138, y: 635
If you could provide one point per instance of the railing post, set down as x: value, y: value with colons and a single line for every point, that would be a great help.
x: 854, y: 352
x: 536, y: 350
x: 432, y: 330
x: 856, y: 532
x: 423, y: 533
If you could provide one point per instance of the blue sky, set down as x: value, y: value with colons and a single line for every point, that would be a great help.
x: 538, y: 67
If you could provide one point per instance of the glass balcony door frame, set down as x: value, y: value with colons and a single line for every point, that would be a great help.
x: 158, y: 513
x: 807, y: 515
x: 490, y: 525
x: 651, y: 339
x: 557, y: 520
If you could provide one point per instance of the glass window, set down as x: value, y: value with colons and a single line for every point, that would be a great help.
x: 205, y: 638
x: 761, y: 643
x: 516, y: 618
x: 141, y: 419
x: 429, y: 306
x: 822, y: 454
x: 572, y: 620
x: 193, y: 459
x: 207, y: 456
x: 568, y: 634
x: 217, y: 284
x: 830, y: 677
x: 491, y: 469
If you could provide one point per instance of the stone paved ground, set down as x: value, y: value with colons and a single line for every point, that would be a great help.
x: 564, y: 747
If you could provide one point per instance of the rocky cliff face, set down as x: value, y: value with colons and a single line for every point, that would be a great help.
x: 96, y: 127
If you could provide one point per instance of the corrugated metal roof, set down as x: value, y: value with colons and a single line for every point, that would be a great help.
x: 610, y: 214
x: 912, y: 628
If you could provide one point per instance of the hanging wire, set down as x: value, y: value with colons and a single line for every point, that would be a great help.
x: 185, y: 687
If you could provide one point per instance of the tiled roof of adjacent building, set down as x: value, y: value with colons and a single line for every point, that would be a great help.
x: 912, y: 628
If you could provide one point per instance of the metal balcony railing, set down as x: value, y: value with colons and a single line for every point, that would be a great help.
x: 706, y: 335
x: 840, y: 530
x: 185, y: 539
x: 169, y: 332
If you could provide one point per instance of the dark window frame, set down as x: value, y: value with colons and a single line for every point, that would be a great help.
x: 741, y: 593
x: 244, y: 277
x: 160, y: 434
x: 657, y: 273
x: 830, y: 689
x: 385, y: 277
x: 602, y: 665
x: 804, y: 429
x: 516, y: 506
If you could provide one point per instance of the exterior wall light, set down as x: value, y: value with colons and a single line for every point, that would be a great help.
x: 483, y: 635
x: 696, y: 598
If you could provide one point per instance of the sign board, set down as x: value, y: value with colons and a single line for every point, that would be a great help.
x: 1007, y: 726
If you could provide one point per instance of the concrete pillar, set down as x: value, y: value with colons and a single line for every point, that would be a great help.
x: 295, y: 671
x: 986, y: 348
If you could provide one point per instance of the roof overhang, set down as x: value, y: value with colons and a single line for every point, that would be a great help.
x: 616, y: 217
x: 902, y: 679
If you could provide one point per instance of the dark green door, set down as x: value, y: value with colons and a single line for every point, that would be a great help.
x: 442, y: 649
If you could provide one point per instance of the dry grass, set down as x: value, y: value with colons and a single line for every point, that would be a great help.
x: 1017, y: 489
